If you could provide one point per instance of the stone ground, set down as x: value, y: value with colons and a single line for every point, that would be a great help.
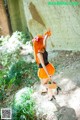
x: 67, y: 75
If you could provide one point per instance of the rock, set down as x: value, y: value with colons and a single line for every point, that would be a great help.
x: 69, y: 99
x: 65, y: 113
x: 38, y: 16
x: 44, y: 108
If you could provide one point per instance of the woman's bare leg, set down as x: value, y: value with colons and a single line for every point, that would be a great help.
x: 46, y: 86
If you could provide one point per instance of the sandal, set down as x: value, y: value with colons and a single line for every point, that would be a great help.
x: 58, y: 89
x: 43, y: 90
x: 53, y: 97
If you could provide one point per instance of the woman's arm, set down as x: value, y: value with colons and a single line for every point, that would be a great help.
x: 44, y: 41
x: 42, y: 63
x: 46, y: 35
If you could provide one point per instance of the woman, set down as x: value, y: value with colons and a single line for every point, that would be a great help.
x: 46, y: 69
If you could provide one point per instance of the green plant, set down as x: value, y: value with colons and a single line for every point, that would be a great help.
x: 2, y: 93
x: 4, y: 40
x: 24, y: 37
x: 23, y: 105
x: 2, y: 85
x: 23, y: 71
x: 14, y: 68
x: 21, y: 36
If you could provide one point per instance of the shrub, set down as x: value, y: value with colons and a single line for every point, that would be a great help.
x: 23, y: 71
x: 19, y: 73
x: 23, y: 105
x: 16, y: 68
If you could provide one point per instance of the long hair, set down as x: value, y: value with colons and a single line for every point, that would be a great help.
x: 37, y: 45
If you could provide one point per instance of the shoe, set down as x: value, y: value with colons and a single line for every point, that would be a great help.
x: 43, y: 89
x: 53, y: 97
x: 58, y: 89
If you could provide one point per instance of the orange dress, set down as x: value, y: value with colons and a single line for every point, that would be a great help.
x: 50, y: 68
x: 42, y: 74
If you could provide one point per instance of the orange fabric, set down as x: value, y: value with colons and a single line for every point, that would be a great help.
x: 42, y: 74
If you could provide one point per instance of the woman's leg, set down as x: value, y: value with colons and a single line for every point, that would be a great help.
x: 58, y: 89
x: 44, y: 86
x: 49, y: 87
x: 52, y: 90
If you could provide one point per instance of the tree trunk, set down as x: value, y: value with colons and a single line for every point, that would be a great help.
x: 4, y: 25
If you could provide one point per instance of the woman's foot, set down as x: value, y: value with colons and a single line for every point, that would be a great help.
x: 43, y: 89
x: 51, y: 98
x: 58, y: 90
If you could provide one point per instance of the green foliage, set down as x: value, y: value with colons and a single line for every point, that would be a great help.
x: 7, y: 59
x: 24, y: 37
x: 23, y: 71
x: 14, y: 70
x: 2, y: 93
x: 23, y: 106
x: 2, y: 85
x: 18, y: 73
x: 4, y: 40
x: 21, y: 36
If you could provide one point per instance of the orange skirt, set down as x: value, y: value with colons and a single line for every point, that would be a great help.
x: 42, y: 74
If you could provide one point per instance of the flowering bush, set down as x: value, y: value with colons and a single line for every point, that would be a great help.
x: 23, y: 105
x: 17, y: 64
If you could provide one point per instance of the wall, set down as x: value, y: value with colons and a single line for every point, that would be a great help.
x: 38, y: 16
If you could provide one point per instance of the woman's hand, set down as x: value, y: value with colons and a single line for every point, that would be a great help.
x: 48, y: 33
